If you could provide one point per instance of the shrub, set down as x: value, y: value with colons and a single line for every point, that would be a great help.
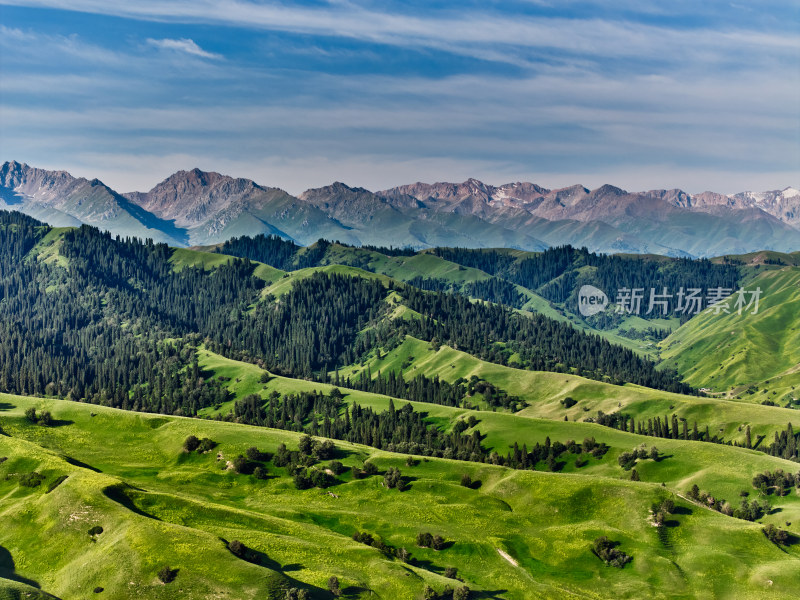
x: 30, y: 414
x: 424, y: 540
x: 306, y: 444
x: 96, y: 530
x: 260, y: 472
x: 301, y: 480
x: 237, y: 548
x: 191, y: 443
x: 461, y: 593
x: 31, y: 480
x: 206, y: 445
x: 167, y: 574
x: 45, y: 418
x: 336, y: 467
x: 370, y: 468
x: 240, y: 464
x: 437, y: 543
x: 255, y: 454
x: 451, y: 572
x: 333, y: 586
x: 606, y: 551
x: 363, y: 538
x: 779, y: 537
x: 392, y: 478
x: 321, y: 479
x: 626, y: 460
x: 324, y: 450
x: 569, y: 402
x: 466, y: 480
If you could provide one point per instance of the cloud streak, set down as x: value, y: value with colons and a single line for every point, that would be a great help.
x: 184, y: 45
x: 453, y: 32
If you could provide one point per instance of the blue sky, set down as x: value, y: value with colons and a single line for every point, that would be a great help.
x: 637, y: 93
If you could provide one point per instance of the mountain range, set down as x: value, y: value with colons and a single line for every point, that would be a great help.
x: 194, y: 207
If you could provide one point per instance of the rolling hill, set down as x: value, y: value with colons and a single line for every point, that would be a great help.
x: 755, y: 357
x: 521, y: 534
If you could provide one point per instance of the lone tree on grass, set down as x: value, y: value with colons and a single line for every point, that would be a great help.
x: 393, y: 477
x: 333, y: 586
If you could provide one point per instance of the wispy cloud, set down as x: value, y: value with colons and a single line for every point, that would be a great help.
x: 183, y: 45
x: 478, y: 33
x: 299, y: 95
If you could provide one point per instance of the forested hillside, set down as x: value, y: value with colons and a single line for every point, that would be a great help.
x: 102, y: 323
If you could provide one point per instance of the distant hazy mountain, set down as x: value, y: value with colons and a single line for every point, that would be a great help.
x: 60, y: 199
x: 610, y: 219
x: 200, y: 208
x: 212, y: 208
x: 403, y: 221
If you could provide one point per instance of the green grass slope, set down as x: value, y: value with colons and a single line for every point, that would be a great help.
x: 731, y: 353
x: 544, y: 391
x: 179, y: 508
x: 719, y: 469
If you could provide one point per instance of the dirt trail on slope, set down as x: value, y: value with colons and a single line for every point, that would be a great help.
x: 507, y: 556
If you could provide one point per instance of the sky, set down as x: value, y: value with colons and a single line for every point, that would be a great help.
x: 637, y: 93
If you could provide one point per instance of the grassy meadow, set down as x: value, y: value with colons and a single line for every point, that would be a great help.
x: 160, y: 506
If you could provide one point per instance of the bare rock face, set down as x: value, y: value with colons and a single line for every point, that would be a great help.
x: 189, y: 198
x: 782, y: 204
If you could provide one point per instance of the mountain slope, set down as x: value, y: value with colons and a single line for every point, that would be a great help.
x: 752, y: 356
x: 62, y: 200
x: 212, y: 208
x: 663, y: 222
x: 375, y: 220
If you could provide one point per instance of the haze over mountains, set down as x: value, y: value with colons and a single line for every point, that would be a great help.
x: 201, y: 208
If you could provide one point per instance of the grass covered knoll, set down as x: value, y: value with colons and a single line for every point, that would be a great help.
x: 753, y: 357
x: 180, y: 505
x: 719, y: 469
x: 544, y: 392
x: 185, y: 257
